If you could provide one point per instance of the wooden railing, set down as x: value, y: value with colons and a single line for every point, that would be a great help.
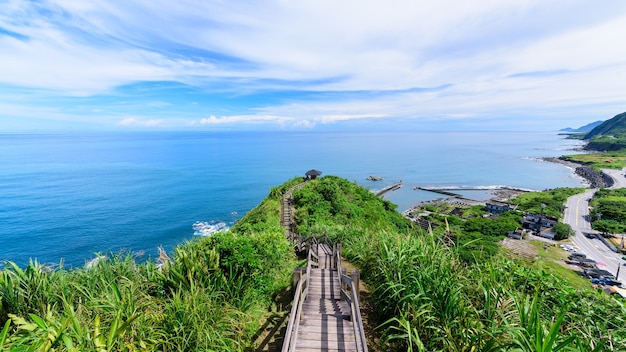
x: 287, y: 217
x: 349, y: 293
x: 300, y: 293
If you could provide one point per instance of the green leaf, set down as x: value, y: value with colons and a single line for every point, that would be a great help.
x: 4, y: 332
x: 116, y: 291
x: 22, y: 323
x: 69, y: 344
x: 40, y: 322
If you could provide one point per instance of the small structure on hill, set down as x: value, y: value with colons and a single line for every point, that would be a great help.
x: 537, y: 221
x: 497, y: 207
x: 312, y: 174
x: 517, y: 234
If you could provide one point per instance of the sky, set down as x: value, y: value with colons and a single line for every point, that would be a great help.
x: 216, y: 65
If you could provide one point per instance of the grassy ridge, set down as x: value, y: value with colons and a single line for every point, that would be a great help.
x: 428, y: 299
x: 214, y: 292
x: 212, y: 295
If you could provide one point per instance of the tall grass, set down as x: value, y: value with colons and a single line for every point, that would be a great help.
x: 427, y: 299
x: 210, y: 296
x: 212, y: 293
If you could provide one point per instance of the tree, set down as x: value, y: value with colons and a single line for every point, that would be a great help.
x: 562, y: 231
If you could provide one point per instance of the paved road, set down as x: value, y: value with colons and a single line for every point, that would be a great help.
x: 618, y: 177
x: 577, y: 216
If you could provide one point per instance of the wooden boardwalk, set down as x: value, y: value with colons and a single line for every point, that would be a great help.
x: 325, y: 315
x: 325, y: 324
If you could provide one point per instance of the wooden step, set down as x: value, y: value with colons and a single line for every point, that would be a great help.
x: 326, y: 305
x: 318, y: 344
x: 333, y: 336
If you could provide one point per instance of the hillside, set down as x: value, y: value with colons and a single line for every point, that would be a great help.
x: 583, y: 129
x: 225, y: 292
x: 608, y: 136
x: 613, y: 127
x: 427, y: 297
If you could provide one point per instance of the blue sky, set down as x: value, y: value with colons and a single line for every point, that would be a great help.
x: 310, y: 65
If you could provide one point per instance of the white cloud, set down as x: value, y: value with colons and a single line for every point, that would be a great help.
x: 133, y: 121
x: 494, y: 56
x: 248, y: 119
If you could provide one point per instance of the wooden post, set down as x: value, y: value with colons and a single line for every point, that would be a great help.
x: 338, y: 253
x: 333, y: 264
x: 297, y: 275
x: 341, y: 284
x: 356, y: 277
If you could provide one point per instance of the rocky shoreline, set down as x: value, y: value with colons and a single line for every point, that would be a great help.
x: 594, y: 178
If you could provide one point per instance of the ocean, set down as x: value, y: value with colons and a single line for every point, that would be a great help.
x: 70, y: 197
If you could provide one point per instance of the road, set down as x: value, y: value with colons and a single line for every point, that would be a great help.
x: 577, y: 216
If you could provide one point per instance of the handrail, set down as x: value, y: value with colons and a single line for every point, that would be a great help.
x: 349, y: 290
x: 289, y: 335
x: 352, y: 299
x: 302, y: 290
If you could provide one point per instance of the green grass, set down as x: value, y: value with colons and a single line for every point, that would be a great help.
x: 216, y: 292
x: 597, y: 161
x: 213, y: 295
x: 552, y: 259
x: 428, y: 299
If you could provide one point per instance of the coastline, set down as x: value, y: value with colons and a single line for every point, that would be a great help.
x: 593, y: 178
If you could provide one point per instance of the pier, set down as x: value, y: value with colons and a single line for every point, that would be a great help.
x: 440, y: 191
x: 393, y: 187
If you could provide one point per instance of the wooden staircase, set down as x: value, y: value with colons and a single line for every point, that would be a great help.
x: 325, y: 324
x: 325, y: 314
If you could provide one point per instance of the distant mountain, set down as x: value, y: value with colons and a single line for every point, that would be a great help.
x: 613, y: 127
x: 586, y: 128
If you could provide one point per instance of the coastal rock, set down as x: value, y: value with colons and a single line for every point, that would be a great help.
x: 374, y: 178
x: 594, y: 178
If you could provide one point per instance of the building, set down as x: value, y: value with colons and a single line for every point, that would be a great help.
x: 536, y: 222
x: 497, y: 207
x: 312, y: 174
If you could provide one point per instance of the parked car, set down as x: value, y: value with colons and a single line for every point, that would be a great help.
x: 590, y: 235
x: 598, y: 273
x: 605, y: 281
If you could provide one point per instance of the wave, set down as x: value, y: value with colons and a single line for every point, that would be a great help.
x: 207, y: 228
x: 92, y: 263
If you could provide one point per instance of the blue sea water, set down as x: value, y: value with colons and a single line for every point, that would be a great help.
x: 70, y: 196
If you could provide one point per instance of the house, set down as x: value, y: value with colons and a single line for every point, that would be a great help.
x: 518, y: 234
x: 497, y: 207
x: 536, y: 222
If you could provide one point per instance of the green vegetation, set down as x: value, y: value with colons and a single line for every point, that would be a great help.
x: 616, y: 126
x: 562, y: 231
x: 608, y: 138
x: 552, y: 199
x: 597, y: 161
x: 218, y: 291
x: 213, y: 295
x: 551, y: 259
x: 428, y: 298
x: 608, y: 210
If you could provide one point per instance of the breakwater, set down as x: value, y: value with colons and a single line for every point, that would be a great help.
x: 393, y: 187
x: 594, y: 178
